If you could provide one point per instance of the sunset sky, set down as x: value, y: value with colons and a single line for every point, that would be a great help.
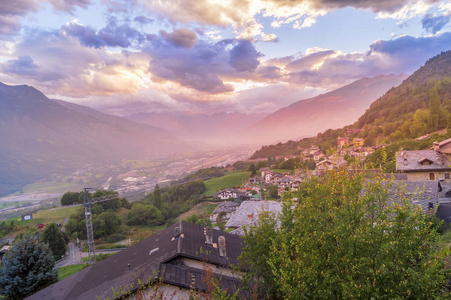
x: 255, y: 56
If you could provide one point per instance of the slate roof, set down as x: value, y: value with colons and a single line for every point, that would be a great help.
x: 239, y: 217
x: 409, y: 161
x: 444, y: 213
x: 113, y: 272
x: 423, y: 192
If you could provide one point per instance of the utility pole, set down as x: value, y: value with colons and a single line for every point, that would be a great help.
x: 89, y: 231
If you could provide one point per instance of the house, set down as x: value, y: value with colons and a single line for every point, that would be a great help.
x: 172, y: 259
x: 358, y: 142
x: 224, y: 211
x: 249, y: 210
x: 284, y: 182
x: 317, y: 155
x: 424, y: 194
x: 342, y: 141
x: 229, y: 193
x: 422, y: 165
x: 326, y: 165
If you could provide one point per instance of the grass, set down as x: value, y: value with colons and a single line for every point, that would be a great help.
x: 445, y: 238
x: 201, y: 209
x: 7, y: 204
x: 66, y: 271
x: 229, y: 180
x: 47, y: 216
x: 52, y: 187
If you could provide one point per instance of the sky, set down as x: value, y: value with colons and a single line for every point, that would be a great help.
x: 206, y: 56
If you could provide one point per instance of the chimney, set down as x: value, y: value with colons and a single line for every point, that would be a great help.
x: 176, y: 232
x: 208, y: 235
x: 436, y: 146
x: 250, y: 218
x: 222, y: 246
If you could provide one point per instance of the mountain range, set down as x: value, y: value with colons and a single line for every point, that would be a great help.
x: 331, y: 110
x: 40, y: 137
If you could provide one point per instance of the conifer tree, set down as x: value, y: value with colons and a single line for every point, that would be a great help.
x: 54, y: 237
x: 157, y: 196
x: 27, y: 267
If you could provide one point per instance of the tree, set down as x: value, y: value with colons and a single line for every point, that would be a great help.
x: 27, y: 267
x: 54, y: 238
x: 107, y: 223
x: 70, y: 198
x: 273, y: 192
x: 436, y: 114
x: 347, y: 238
x: 142, y: 214
x: 157, y: 197
x: 253, y: 170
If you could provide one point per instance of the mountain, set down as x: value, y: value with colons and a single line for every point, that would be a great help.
x: 400, y: 116
x: 331, y: 110
x: 403, y: 112
x: 40, y: 137
x: 218, y: 128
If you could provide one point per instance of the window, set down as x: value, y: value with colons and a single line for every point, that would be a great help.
x: 431, y: 176
x: 447, y: 176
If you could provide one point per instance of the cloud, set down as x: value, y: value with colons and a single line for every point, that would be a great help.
x: 69, y: 6
x: 11, y: 13
x: 243, y: 15
x: 24, y: 66
x: 181, y: 37
x: 112, y: 35
x: 244, y: 57
x: 434, y: 23
x: 204, y: 67
x: 59, y: 64
x: 143, y: 20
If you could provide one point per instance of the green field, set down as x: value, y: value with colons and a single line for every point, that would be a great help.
x: 7, y: 204
x: 47, y: 216
x: 66, y: 271
x: 229, y: 180
x: 52, y: 187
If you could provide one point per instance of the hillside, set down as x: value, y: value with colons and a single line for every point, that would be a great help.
x: 402, y: 113
x: 332, y: 110
x: 41, y: 137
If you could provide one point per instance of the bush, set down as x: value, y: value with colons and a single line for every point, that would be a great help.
x: 114, y: 238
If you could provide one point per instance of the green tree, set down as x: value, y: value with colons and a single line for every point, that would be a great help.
x: 436, y: 114
x: 107, y: 223
x: 157, y: 197
x: 347, y: 238
x: 253, y: 170
x: 27, y: 267
x: 70, y: 198
x: 54, y: 238
x: 273, y: 192
x: 142, y: 214
x: 256, y: 254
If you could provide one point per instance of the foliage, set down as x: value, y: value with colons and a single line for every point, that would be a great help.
x: 255, y: 256
x: 106, y: 224
x: 157, y: 197
x: 54, y: 238
x: 340, y: 242
x: 142, y: 214
x: 207, y: 173
x: 66, y: 271
x: 253, y: 170
x: 273, y: 192
x: 27, y: 267
x: 70, y: 198
x: 5, y: 228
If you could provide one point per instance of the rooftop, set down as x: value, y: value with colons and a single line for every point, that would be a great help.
x: 409, y: 161
x: 150, y: 259
x: 240, y: 216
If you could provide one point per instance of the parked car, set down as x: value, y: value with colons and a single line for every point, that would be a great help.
x: 40, y: 225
